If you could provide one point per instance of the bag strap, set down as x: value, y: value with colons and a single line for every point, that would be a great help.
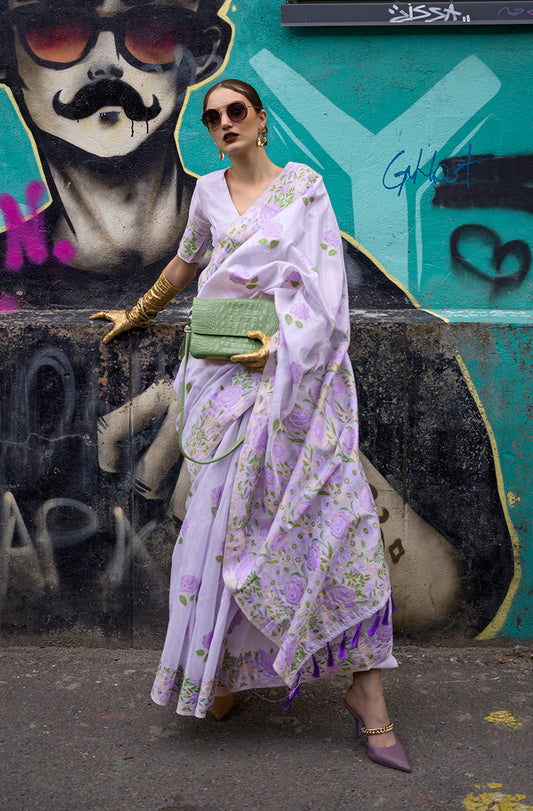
x: 185, y: 355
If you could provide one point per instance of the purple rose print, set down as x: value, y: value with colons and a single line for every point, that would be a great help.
x: 266, y: 661
x: 313, y: 557
x: 304, y: 261
x: 343, y: 595
x: 206, y: 640
x: 300, y: 311
x: 216, y: 494
x: 331, y: 238
x: 260, y: 439
x: 336, y: 476
x: 365, y: 498
x: 348, y: 440
x: 184, y: 528
x: 319, y: 429
x: 296, y: 371
x: 294, y: 276
x: 299, y: 418
x: 189, y: 584
x: 240, y: 276
x: 339, y: 388
x: 279, y: 452
x: 229, y: 396
x: 278, y: 542
x: 339, y: 525
x: 269, y: 477
x: 272, y: 229
x: 262, y: 530
x: 314, y: 391
x: 294, y: 589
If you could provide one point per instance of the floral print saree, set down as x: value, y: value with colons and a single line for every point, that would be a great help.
x: 278, y: 574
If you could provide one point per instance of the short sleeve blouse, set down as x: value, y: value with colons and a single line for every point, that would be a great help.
x: 198, y: 230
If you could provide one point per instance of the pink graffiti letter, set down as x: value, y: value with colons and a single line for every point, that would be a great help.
x: 24, y: 236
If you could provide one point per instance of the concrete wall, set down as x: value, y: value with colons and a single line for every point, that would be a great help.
x: 424, y: 139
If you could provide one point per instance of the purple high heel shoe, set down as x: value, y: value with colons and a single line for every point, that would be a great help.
x: 392, y: 756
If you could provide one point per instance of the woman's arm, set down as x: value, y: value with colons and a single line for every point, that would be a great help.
x: 179, y: 273
x: 175, y: 276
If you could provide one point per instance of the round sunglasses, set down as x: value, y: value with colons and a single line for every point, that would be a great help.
x: 236, y: 111
x: 59, y: 38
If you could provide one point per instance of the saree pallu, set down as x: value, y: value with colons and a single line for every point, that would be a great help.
x: 278, y: 574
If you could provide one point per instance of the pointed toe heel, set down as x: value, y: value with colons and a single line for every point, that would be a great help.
x: 392, y: 756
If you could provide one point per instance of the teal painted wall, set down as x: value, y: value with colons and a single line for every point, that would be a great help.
x: 382, y: 114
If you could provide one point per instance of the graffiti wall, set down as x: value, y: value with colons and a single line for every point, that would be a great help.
x: 424, y: 139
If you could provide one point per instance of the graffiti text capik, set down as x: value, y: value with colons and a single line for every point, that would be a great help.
x: 435, y: 172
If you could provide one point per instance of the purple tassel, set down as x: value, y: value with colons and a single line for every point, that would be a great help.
x: 316, y: 669
x: 386, y: 614
x: 294, y: 693
x: 355, y: 640
x: 392, y: 604
x: 330, y: 656
x: 342, y: 649
x: 375, y: 626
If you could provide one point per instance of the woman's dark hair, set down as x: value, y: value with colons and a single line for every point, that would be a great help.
x: 244, y: 89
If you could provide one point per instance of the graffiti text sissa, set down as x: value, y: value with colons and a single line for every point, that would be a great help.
x: 436, y: 172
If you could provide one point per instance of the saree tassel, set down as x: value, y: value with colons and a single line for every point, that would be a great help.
x: 355, y: 640
x: 393, y: 607
x: 375, y: 626
x: 330, y: 656
x: 316, y: 669
x: 294, y: 692
x: 342, y: 649
x: 386, y: 614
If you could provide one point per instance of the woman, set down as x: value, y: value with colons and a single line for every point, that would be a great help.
x: 278, y: 575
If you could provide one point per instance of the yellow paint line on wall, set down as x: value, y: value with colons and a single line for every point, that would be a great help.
x: 503, y: 717
x: 494, y: 800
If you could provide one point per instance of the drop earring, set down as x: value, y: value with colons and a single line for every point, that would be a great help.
x: 261, y: 139
x: 221, y: 154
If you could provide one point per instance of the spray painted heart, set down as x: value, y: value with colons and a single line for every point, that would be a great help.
x: 495, y: 274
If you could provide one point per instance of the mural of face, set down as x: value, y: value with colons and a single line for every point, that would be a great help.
x: 103, y: 77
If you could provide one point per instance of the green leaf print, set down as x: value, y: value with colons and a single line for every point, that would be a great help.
x: 332, y: 252
x: 263, y: 241
x: 200, y: 652
x: 274, y: 243
x: 183, y: 599
x: 288, y: 319
x: 299, y: 324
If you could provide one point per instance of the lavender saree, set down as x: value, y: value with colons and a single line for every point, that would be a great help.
x: 278, y: 574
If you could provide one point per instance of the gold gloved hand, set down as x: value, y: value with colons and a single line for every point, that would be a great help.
x: 153, y: 301
x: 255, y: 360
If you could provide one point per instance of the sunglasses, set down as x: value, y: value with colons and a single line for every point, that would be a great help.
x: 236, y: 111
x: 59, y: 38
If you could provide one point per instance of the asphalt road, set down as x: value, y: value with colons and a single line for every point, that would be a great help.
x: 78, y: 731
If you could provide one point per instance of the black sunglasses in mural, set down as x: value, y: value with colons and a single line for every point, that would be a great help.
x: 59, y: 38
x: 236, y: 111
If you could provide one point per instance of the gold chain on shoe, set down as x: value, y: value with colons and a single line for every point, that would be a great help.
x: 378, y: 731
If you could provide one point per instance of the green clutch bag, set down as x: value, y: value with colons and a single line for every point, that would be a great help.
x: 218, y: 327
x: 217, y: 330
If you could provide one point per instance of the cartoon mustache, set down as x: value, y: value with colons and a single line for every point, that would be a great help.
x: 103, y: 93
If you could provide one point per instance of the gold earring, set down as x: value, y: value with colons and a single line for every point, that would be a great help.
x: 261, y: 140
x: 221, y: 154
